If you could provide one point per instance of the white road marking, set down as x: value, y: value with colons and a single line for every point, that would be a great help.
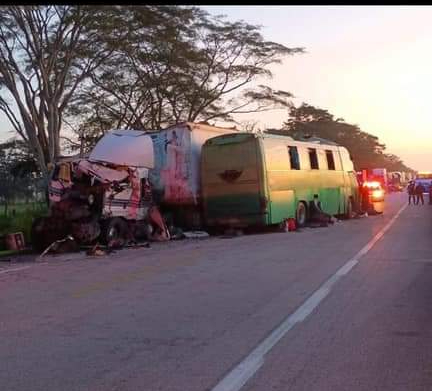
x: 243, y: 371
x: 13, y: 270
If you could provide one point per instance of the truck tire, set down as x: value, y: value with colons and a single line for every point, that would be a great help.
x: 46, y: 230
x: 85, y: 231
x: 115, y: 230
x: 301, y: 215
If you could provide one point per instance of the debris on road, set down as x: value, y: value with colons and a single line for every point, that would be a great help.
x: 232, y: 233
x: 288, y: 225
x: 96, y: 250
x: 159, y: 230
x: 99, y: 250
x: 195, y: 234
x: 15, y: 241
x: 68, y: 244
x: 176, y: 233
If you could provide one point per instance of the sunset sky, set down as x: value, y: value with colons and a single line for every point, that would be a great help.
x: 370, y: 65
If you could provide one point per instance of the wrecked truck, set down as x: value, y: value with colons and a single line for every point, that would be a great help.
x: 106, y: 196
x: 112, y: 194
x: 176, y: 176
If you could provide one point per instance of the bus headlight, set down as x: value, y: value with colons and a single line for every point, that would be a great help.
x: 91, y: 199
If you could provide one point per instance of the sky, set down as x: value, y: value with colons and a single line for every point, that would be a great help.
x: 370, y: 65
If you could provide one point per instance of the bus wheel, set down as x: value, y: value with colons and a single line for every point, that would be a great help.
x: 349, y: 212
x: 301, y: 215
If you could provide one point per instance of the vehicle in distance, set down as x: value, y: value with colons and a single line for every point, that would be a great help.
x: 395, y: 181
x: 425, y: 178
x: 375, y: 197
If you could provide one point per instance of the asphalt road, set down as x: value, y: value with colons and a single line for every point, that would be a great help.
x: 348, y: 307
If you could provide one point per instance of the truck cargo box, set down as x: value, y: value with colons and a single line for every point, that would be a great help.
x: 177, y: 152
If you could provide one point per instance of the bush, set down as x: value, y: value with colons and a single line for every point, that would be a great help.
x: 20, y: 218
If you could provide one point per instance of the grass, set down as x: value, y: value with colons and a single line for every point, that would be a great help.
x: 19, y: 218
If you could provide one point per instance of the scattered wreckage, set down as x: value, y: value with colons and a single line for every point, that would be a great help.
x: 106, y: 197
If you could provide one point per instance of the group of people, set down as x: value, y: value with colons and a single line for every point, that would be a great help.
x: 319, y: 218
x: 415, y: 193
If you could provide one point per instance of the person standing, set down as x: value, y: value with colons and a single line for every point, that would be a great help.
x: 411, y: 192
x: 419, y: 190
x: 317, y: 215
x: 430, y: 194
x: 364, y: 194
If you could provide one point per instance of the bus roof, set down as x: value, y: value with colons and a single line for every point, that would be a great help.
x: 241, y: 136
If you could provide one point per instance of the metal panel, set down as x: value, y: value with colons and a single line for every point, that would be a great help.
x: 124, y: 148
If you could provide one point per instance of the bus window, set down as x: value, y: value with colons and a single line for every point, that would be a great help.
x: 322, y: 159
x: 313, y: 159
x: 347, y: 164
x: 304, y: 157
x: 294, y: 158
x: 337, y: 160
x: 330, y: 160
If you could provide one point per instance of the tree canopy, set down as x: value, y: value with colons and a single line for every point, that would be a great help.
x: 177, y: 64
x: 72, y: 70
x: 366, y: 150
x: 45, y: 53
x: 19, y: 172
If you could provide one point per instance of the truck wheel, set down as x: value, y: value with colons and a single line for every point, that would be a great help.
x: 116, y: 230
x: 85, y: 231
x: 301, y: 215
x: 46, y: 230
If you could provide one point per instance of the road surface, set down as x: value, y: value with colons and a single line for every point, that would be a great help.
x: 348, y: 307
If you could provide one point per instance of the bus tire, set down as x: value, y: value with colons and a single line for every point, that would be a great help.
x: 301, y: 215
x: 349, y: 214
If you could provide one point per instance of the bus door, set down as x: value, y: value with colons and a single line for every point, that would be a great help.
x: 349, y: 179
x: 232, y: 180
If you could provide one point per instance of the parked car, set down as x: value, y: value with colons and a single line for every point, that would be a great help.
x: 425, y: 178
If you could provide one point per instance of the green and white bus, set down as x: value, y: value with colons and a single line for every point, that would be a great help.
x: 262, y: 179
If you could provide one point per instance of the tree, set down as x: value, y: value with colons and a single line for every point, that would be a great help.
x: 126, y: 66
x: 250, y: 126
x: 179, y: 64
x: 45, y: 53
x: 19, y: 172
x: 366, y: 150
x: 6, y: 182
